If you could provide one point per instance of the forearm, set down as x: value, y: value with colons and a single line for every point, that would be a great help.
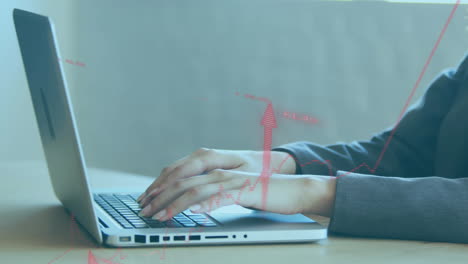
x: 431, y: 209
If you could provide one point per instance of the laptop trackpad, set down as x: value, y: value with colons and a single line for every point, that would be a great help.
x: 238, y: 215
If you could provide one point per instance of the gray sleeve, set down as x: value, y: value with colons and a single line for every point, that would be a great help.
x: 430, y: 209
x: 410, y: 152
x: 407, y: 203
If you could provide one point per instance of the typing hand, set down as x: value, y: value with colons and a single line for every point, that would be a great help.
x: 205, y: 160
x: 233, y: 177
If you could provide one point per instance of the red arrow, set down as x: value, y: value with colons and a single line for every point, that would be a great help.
x: 268, y: 122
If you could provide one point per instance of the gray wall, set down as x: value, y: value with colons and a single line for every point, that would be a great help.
x: 19, y: 136
x: 161, y: 76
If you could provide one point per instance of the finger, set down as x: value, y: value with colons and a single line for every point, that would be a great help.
x: 196, y: 195
x: 164, y: 172
x: 170, y: 193
x: 148, y: 198
x: 199, y: 162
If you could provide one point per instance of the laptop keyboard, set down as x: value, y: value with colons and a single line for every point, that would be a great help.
x: 124, y: 209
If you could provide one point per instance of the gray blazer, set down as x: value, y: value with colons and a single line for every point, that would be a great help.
x: 420, y: 189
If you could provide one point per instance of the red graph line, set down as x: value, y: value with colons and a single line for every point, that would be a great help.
x: 416, y: 85
x: 267, y: 140
x: 328, y: 163
x: 72, y: 240
x: 60, y: 256
x: 117, y: 253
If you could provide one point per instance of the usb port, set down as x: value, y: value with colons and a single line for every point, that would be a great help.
x: 179, y: 238
x: 194, y: 237
x: 140, y: 238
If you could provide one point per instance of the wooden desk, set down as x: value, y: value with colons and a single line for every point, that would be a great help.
x: 34, y: 228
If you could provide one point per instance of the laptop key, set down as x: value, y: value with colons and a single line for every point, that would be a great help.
x: 155, y: 224
x: 135, y: 196
x: 131, y: 217
x: 189, y: 213
x: 128, y: 213
x: 189, y: 224
x: 136, y: 221
x: 140, y: 225
x: 172, y: 223
x: 199, y: 216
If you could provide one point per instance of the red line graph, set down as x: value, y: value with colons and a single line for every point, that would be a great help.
x: 405, y: 108
x: 266, y: 171
x: 416, y: 85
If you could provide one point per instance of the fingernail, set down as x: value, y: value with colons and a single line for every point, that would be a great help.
x: 159, y: 215
x: 145, y: 210
x: 195, y: 207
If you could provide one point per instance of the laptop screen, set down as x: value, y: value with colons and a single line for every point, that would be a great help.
x: 54, y: 115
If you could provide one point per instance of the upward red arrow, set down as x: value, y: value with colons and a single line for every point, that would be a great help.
x: 268, y: 122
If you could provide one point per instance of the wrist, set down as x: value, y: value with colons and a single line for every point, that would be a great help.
x: 319, y: 195
x: 329, y: 196
x: 283, y: 162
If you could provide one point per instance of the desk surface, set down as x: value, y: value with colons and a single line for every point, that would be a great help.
x: 34, y: 228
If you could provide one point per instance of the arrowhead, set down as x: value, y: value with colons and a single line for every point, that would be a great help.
x: 269, y: 119
x: 91, y: 258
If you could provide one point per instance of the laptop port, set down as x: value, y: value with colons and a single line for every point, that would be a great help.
x: 194, y: 238
x: 125, y: 239
x: 154, y: 239
x: 140, y: 239
x: 166, y: 238
x: 179, y: 238
x: 213, y: 237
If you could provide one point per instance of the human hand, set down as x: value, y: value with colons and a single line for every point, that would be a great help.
x: 286, y: 194
x: 178, y: 191
x: 205, y: 160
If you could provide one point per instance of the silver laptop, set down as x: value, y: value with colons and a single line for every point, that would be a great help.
x: 111, y: 216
